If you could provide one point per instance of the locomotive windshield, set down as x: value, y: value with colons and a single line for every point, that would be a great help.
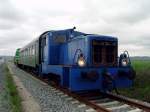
x: 104, y: 53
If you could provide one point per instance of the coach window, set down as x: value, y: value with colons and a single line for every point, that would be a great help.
x: 24, y: 52
x: 32, y: 50
x: 28, y: 51
x: 21, y: 53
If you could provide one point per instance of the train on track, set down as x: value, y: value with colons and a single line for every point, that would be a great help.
x: 78, y: 61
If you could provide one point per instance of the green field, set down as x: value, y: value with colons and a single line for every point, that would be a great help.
x: 141, y: 88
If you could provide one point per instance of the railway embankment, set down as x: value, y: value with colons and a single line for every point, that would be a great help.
x: 5, y: 104
x: 49, y: 99
x: 27, y: 101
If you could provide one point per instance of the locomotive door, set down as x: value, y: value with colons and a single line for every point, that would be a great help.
x: 43, y: 49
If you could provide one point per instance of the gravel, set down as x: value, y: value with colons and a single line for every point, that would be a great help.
x: 45, y: 96
x: 4, y: 103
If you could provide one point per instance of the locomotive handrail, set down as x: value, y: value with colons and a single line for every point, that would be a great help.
x: 128, y: 56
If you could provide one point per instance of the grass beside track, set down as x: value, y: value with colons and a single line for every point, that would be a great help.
x: 141, y: 88
x: 14, y: 97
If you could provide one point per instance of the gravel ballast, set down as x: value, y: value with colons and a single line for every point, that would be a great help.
x: 50, y: 100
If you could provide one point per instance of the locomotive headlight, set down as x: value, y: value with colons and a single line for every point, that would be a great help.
x: 124, y: 62
x: 81, y: 61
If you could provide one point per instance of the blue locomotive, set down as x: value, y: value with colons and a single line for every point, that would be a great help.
x: 78, y: 61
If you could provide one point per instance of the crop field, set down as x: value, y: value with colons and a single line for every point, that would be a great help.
x: 141, y: 88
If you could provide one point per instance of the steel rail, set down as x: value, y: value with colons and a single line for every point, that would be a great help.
x: 142, y: 105
x: 98, y: 108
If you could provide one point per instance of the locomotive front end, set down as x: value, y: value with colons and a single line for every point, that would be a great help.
x: 116, y: 72
x: 98, y: 65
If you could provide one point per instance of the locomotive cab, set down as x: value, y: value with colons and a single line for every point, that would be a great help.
x: 94, y: 51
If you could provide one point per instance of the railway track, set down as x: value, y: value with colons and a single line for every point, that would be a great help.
x: 95, y: 101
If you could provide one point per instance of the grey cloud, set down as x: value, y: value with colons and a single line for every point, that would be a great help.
x: 8, y: 11
x: 126, y: 11
x: 14, y: 38
x: 7, y: 25
x: 145, y: 42
x: 10, y: 16
x: 140, y: 43
x: 133, y: 12
x: 132, y: 17
x: 115, y: 18
x: 12, y: 41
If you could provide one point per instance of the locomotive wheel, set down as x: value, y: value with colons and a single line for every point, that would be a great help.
x: 54, y: 79
x: 107, y: 82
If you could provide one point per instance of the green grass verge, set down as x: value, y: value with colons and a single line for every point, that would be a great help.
x: 14, y: 97
x: 141, y: 88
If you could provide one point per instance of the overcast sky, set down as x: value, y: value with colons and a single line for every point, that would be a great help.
x: 23, y: 20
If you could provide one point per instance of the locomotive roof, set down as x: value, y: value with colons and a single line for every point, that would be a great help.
x: 104, y: 37
x: 100, y: 37
x: 77, y: 35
